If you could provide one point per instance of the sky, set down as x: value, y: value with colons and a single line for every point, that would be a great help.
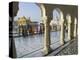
x: 31, y: 10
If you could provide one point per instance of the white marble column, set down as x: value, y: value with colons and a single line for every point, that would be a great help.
x: 46, y: 40
x: 75, y: 27
x: 69, y: 27
x: 62, y: 31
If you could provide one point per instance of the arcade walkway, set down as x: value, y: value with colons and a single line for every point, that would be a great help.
x: 30, y: 45
x: 70, y: 48
x: 24, y: 47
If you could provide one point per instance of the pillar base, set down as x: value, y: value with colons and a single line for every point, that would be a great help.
x: 62, y: 43
x: 46, y: 51
x: 69, y: 39
x: 75, y: 36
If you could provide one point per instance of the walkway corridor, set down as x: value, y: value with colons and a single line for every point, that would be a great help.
x: 30, y: 44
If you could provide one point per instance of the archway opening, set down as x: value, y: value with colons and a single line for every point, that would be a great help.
x: 56, y: 27
x: 29, y: 31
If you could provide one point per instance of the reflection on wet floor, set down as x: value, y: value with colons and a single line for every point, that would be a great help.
x: 28, y: 44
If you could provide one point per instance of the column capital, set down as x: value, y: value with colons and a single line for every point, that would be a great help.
x: 75, y: 21
x: 61, y: 21
x: 44, y: 19
x: 69, y: 18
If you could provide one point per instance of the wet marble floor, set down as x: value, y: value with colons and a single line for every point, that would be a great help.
x: 30, y: 44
